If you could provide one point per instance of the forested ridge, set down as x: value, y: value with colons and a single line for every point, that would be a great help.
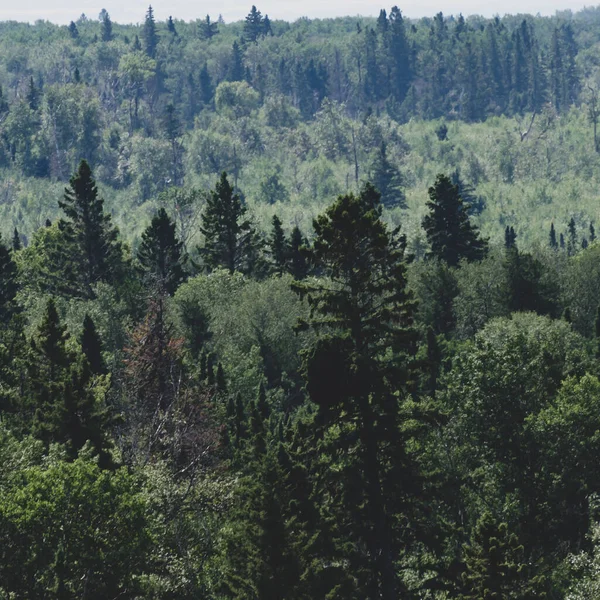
x: 300, y: 310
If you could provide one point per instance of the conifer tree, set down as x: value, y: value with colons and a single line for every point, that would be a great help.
x: 9, y: 285
x: 572, y: 237
x: 553, y: 242
x: 510, y: 237
x: 236, y: 71
x: 161, y: 256
x: 208, y: 29
x: 17, y: 244
x: 597, y: 332
x: 364, y: 304
x: 278, y: 247
x: 450, y: 234
x: 73, y: 31
x: 592, y: 233
x: 254, y: 26
x: 106, y: 33
x: 90, y: 229
x: 229, y: 238
x: 33, y: 95
x: 150, y: 34
x: 298, y: 262
x: 206, y: 87
x: 562, y: 241
x: 171, y: 26
x: 91, y: 345
x: 60, y: 391
x: 387, y: 180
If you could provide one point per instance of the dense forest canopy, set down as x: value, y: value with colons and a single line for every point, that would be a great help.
x: 298, y: 311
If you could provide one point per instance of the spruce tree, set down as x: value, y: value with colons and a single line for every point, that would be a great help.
x: 572, y: 246
x: 90, y: 229
x: 206, y: 87
x: 236, y: 71
x: 592, y: 233
x: 91, y: 345
x: 597, y: 332
x: 229, y: 238
x: 298, y: 262
x: 9, y: 285
x: 106, y: 33
x: 387, y: 180
x: 17, y: 244
x: 510, y: 238
x: 208, y: 29
x: 278, y: 247
x: 171, y: 26
x: 161, y: 255
x: 253, y: 25
x: 150, y: 34
x: 73, y: 31
x: 450, y: 234
x: 354, y: 374
x: 61, y: 393
x: 553, y: 241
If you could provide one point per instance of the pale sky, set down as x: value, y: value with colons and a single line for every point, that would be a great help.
x: 132, y: 11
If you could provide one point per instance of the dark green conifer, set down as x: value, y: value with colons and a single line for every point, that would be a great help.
x: 33, y: 95
x: 229, y: 238
x: 450, y: 234
x: 572, y: 245
x: 9, y: 285
x: 90, y: 229
x: 106, y: 31
x: 387, y: 180
x: 510, y: 238
x: 592, y: 233
x: 150, y: 34
x: 597, y: 332
x: 298, y: 261
x: 208, y: 29
x: 220, y: 381
x: 278, y: 247
x: 171, y: 26
x: 254, y: 26
x: 73, y: 31
x: 236, y: 70
x: 91, y: 345
x: 553, y: 242
x: 206, y: 87
x: 17, y: 244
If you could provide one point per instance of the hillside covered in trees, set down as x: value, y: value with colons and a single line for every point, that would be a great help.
x: 298, y: 311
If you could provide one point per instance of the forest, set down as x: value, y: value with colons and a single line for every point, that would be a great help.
x: 300, y: 311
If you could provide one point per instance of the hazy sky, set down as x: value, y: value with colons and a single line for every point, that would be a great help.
x: 132, y: 11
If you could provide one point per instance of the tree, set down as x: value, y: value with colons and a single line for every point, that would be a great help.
x: 230, y: 240
x: 171, y: 26
x: 161, y: 255
x: 278, y: 246
x: 73, y: 31
x: 298, y: 258
x: 99, y: 255
x: 91, y: 346
x: 449, y: 232
x: 254, y: 25
x: 208, y: 29
x: 236, y: 71
x: 9, y: 285
x: 510, y: 238
x: 553, y: 241
x: 66, y: 402
x: 150, y: 34
x: 572, y: 246
x: 17, y: 244
x: 387, y: 180
x: 206, y: 88
x: 356, y: 375
x: 106, y: 32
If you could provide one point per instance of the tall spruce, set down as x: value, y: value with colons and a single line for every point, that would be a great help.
x: 106, y: 30
x: 278, y: 247
x: 9, y: 285
x: 387, y: 179
x: 91, y: 345
x: 99, y: 256
x: 150, y: 34
x: 230, y: 240
x: 298, y: 257
x: 356, y: 375
x: 449, y: 231
x: 208, y: 29
x: 553, y: 240
x: 160, y: 255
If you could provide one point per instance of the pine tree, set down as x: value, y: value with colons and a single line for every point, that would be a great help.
x: 562, y: 241
x: 253, y: 25
x: 150, y: 34
x: 17, y: 244
x: 298, y: 262
x: 73, y: 31
x: 572, y: 237
x: 171, y: 26
x: 229, y: 238
x: 278, y: 247
x: 449, y: 232
x: 106, y: 33
x: 91, y: 230
x: 206, y: 88
x: 62, y: 395
x: 353, y: 374
x: 91, y: 345
x: 387, y: 180
x: 474, y: 204
x: 553, y: 242
x: 592, y: 233
x: 9, y: 285
x: 510, y: 238
x: 236, y: 70
x: 161, y: 256
x: 208, y: 29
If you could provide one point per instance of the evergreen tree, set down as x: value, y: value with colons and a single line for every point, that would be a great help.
x: 91, y: 345
x: 298, y: 262
x: 73, y: 31
x: 572, y: 245
x: 553, y: 242
x: 17, y: 244
x: 229, y: 237
x: 90, y: 229
x: 208, y: 29
x: 449, y: 231
x: 278, y: 247
x: 387, y: 180
x: 106, y: 32
x: 150, y: 34
x: 171, y: 26
x: 161, y: 256
x: 236, y: 70
x: 366, y: 309
x: 562, y: 241
x: 9, y: 285
x: 474, y: 204
x: 254, y: 26
x: 33, y: 95
x: 510, y: 237
x: 61, y: 392
x: 597, y: 332
x: 592, y: 233
x: 206, y: 88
